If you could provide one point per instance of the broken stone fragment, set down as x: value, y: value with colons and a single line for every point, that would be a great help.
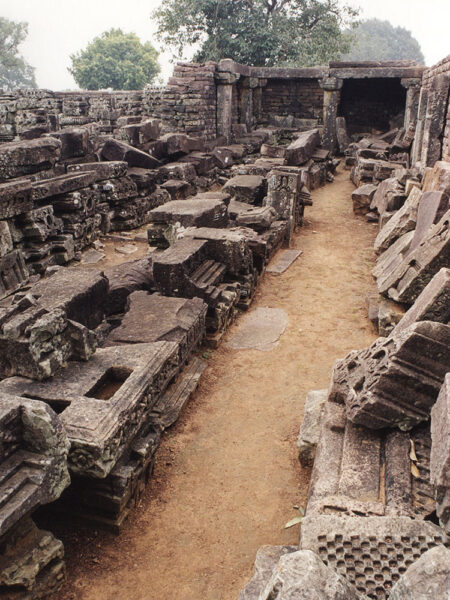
x: 402, y: 221
x: 266, y: 560
x: 27, y: 157
x: 427, y: 578
x: 433, y: 304
x: 362, y: 198
x: 246, y: 188
x: 16, y: 197
x: 119, y: 151
x: 440, y: 452
x: 378, y: 550
x: 394, y: 382
x: 301, y: 149
x: 412, y: 271
x: 197, y: 212
x: 310, y: 428
x: 302, y: 575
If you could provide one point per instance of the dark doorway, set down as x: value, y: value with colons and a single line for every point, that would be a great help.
x: 370, y: 104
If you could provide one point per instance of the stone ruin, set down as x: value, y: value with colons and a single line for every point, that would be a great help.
x: 218, y: 166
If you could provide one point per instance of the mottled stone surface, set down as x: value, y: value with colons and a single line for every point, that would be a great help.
x: 301, y: 149
x: 427, y: 578
x: 302, y: 575
x: 310, y: 428
x: 266, y: 560
x: 440, y: 452
x: 394, y: 382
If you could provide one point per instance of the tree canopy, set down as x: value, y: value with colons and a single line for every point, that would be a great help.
x: 115, y: 60
x: 380, y: 40
x: 257, y: 32
x: 15, y: 72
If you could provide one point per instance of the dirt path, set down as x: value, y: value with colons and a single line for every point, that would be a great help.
x: 227, y: 474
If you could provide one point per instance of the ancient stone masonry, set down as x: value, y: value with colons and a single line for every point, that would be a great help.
x: 94, y: 365
x: 378, y: 438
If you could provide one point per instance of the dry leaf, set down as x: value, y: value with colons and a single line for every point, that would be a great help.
x: 415, y: 471
x: 412, y: 454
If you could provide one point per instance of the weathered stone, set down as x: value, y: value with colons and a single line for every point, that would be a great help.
x: 107, y: 502
x: 283, y: 261
x: 13, y: 272
x: 16, y: 197
x: 301, y: 150
x: 74, y: 142
x: 428, y: 577
x: 31, y: 563
x: 440, y: 452
x: 33, y: 456
x: 27, y: 157
x: 168, y: 408
x: 40, y: 223
x: 266, y: 560
x: 153, y: 318
x: 223, y: 157
x: 432, y: 207
x: 389, y: 314
x: 433, y: 303
x: 102, y: 170
x: 362, y: 198
x: 177, y: 188
x: 310, y: 428
x: 6, y: 242
x: 405, y: 279
x: 284, y: 195
x: 198, y: 212
x: 273, y: 151
x: 45, y: 188
x: 393, y: 256
x: 383, y: 385
x: 437, y: 178
x: 126, y: 278
x: 104, y: 402
x: 402, y: 221
x: 341, y: 134
x: 258, y: 218
x: 259, y: 329
x: 179, y: 170
x: 302, y: 575
x: 369, y: 552
x: 246, y: 188
x: 390, y: 195
x: 41, y: 331
x: 119, y: 151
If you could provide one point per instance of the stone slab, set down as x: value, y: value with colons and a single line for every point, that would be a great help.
x: 259, y: 329
x: 283, y: 261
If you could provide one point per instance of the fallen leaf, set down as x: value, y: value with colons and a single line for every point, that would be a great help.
x: 412, y: 454
x: 293, y: 522
x: 415, y: 471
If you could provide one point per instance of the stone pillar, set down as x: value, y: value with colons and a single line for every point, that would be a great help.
x: 257, y: 100
x: 412, y: 101
x: 416, y: 150
x: 331, y: 97
x: 225, y: 82
x: 435, y: 119
x: 246, y: 103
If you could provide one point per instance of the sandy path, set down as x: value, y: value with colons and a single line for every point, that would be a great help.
x: 227, y: 474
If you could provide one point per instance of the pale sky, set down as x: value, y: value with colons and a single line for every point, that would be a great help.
x: 58, y: 28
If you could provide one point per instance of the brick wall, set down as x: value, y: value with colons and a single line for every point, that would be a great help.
x: 301, y: 98
x: 188, y: 102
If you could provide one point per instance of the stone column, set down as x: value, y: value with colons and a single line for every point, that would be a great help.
x: 412, y: 101
x: 435, y: 120
x: 257, y: 100
x: 331, y: 97
x: 416, y: 150
x: 225, y: 82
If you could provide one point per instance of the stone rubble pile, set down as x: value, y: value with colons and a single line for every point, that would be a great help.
x: 110, y: 359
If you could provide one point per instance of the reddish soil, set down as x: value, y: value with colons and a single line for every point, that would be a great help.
x: 227, y: 475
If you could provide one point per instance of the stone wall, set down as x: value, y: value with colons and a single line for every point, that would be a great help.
x: 432, y: 140
x: 188, y: 102
x: 301, y: 98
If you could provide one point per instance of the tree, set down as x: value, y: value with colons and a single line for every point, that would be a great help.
x: 257, y: 32
x: 380, y: 40
x: 115, y: 60
x: 14, y: 71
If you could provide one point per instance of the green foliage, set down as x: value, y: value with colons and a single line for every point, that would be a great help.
x: 257, y: 32
x: 115, y: 60
x: 14, y: 71
x: 379, y: 40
